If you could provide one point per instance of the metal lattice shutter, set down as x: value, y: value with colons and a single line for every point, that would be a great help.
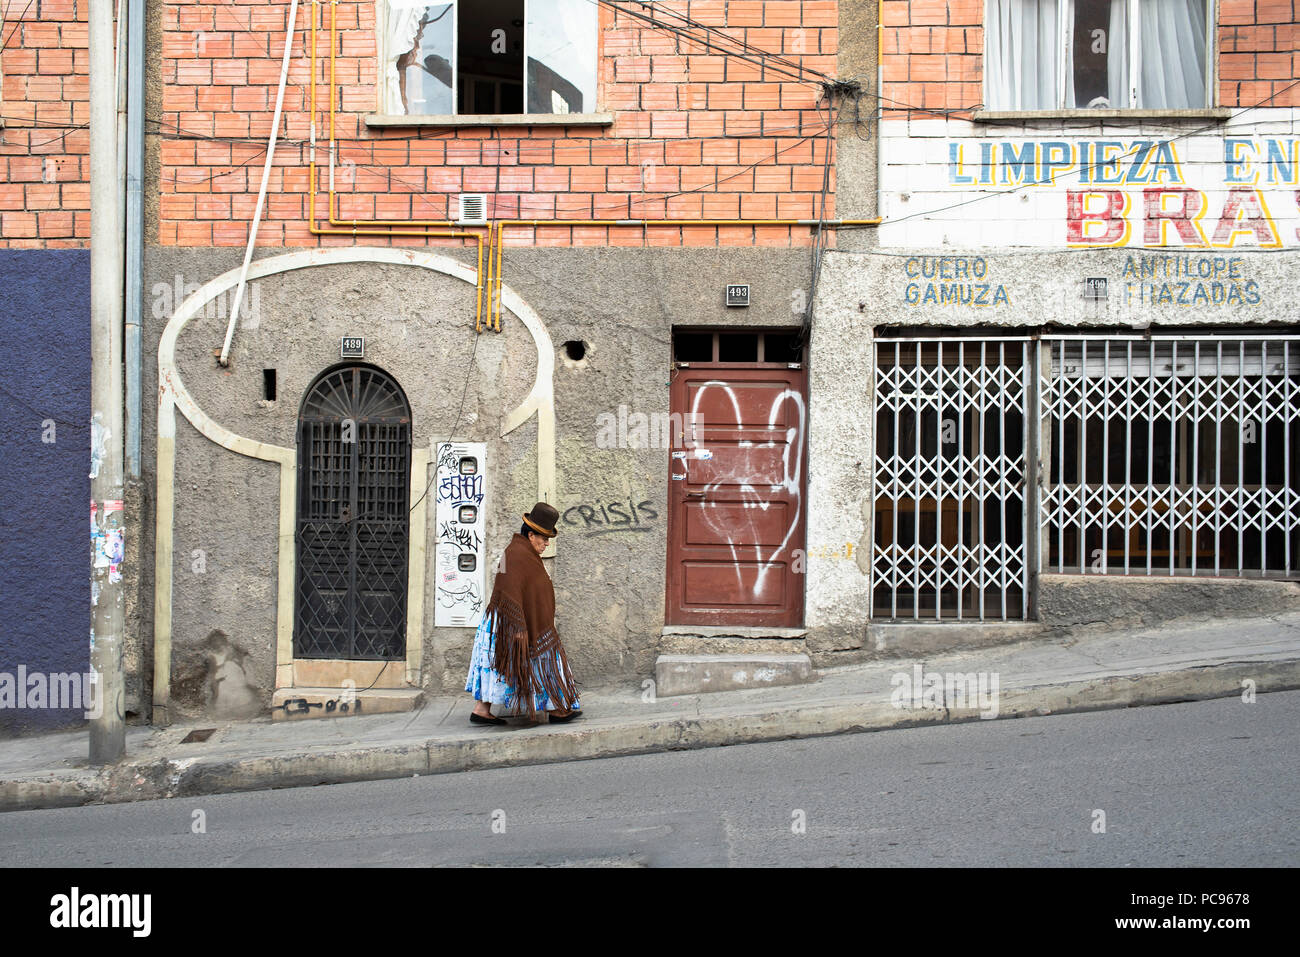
x: 949, y: 479
x: 1172, y: 455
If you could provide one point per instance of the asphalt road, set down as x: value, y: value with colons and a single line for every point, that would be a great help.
x: 1205, y: 783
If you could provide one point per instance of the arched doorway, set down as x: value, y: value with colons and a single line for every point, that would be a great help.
x: 353, y: 525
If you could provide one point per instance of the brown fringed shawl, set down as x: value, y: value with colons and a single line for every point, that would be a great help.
x: 523, y: 600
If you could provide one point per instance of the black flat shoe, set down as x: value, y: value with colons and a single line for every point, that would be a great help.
x: 568, y: 717
x: 475, y: 718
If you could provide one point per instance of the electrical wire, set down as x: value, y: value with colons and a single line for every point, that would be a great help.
x: 469, y: 371
x: 53, y: 139
x: 744, y: 45
x: 819, y: 249
x: 17, y: 23
x: 35, y: 411
x: 760, y: 63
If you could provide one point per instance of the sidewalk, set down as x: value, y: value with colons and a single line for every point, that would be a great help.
x: 1078, y: 673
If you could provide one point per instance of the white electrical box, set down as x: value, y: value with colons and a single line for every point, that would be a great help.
x: 461, y: 550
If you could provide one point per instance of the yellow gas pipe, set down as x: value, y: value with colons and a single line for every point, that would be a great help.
x: 363, y: 227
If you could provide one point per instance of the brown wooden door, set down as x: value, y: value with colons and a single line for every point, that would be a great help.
x: 735, y: 500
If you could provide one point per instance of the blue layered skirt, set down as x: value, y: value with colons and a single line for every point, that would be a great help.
x: 486, y: 684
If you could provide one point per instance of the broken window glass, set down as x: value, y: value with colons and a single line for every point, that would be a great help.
x: 469, y: 58
x: 561, y: 49
x: 420, y: 50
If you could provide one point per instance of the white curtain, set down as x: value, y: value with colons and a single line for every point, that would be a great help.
x: 1023, y: 40
x: 1117, y: 56
x: 1173, y: 43
x: 399, y: 36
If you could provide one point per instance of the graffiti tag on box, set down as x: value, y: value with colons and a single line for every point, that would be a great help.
x: 461, y: 489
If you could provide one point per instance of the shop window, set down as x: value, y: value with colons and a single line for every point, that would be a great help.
x: 489, y: 57
x: 1176, y: 457
x: 1097, y: 54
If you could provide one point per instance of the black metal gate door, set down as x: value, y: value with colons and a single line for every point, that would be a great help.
x: 354, y: 461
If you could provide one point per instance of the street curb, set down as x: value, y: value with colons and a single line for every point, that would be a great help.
x: 740, y: 724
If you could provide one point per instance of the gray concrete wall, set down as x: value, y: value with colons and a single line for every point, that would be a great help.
x: 857, y: 142
x: 1145, y: 288
x: 621, y: 303
x: 1072, y: 601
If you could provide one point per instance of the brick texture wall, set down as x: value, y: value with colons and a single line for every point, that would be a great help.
x: 933, y: 54
x: 696, y: 134
x: 1259, y: 52
x: 44, y: 143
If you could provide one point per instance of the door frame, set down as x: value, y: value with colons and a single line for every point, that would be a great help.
x: 412, y: 530
x: 799, y: 545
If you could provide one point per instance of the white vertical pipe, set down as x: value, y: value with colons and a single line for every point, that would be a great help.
x: 261, y: 193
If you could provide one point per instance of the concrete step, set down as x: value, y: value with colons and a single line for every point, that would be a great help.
x: 698, y: 674
x: 302, y: 703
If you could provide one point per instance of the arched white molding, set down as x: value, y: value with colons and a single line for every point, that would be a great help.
x: 173, y: 394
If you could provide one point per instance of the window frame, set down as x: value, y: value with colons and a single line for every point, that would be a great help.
x: 385, y: 117
x: 1131, y: 109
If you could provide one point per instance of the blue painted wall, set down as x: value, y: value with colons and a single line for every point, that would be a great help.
x: 44, y: 486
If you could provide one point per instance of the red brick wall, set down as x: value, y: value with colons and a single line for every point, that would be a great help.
x: 1259, y: 52
x: 723, y: 138
x: 44, y: 173
x: 933, y: 54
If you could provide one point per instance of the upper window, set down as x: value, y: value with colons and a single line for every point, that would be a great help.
x: 1097, y: 54
x: 489, y: 56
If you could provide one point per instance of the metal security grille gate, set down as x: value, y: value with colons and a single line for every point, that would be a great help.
x: 354, y: 457
x: 950, y: 479
x: 1172, y: 455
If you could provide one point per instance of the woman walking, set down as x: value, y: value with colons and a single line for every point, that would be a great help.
x: 517, y: 658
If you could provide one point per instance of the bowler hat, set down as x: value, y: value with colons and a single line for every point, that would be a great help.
x: 542, y: 519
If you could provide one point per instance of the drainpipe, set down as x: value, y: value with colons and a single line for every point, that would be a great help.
x: 107, y: 613
x: 135, y: 67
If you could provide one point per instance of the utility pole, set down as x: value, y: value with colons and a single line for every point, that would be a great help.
x: 108, y: 612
